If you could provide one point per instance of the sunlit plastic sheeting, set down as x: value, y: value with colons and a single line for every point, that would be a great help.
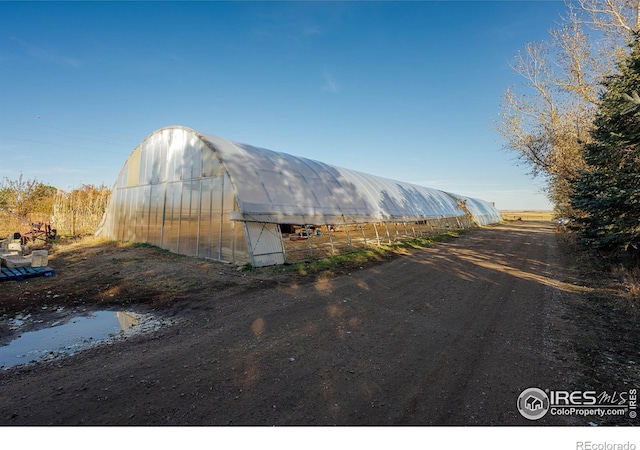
x: 283, y: 185
x: 206, y: 196
x: 266, y: 243
x: 483, y: 212
x: 175, y: 207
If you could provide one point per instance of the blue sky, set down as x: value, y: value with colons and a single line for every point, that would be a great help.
x: 404, y: 90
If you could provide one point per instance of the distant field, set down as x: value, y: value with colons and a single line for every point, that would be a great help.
x: 527, y: 215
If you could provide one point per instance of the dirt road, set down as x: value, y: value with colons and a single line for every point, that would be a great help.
x: 450, y: 335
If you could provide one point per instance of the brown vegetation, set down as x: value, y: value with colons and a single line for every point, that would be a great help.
x: 74, y: 213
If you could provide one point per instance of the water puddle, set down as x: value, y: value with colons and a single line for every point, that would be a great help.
x: 60, y: 335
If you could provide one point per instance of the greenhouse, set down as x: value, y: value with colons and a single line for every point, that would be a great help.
x: 206, y: 196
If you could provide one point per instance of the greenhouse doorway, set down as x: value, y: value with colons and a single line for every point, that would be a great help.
x: 265, y: 244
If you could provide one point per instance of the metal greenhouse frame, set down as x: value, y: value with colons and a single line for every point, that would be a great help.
x: 206, y: 196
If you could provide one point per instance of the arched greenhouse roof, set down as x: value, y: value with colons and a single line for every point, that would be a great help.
x: 203, y: 195
x: 274, y: 187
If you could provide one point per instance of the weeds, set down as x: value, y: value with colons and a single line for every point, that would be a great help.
x: 334, y: 265
x: 630, y: 278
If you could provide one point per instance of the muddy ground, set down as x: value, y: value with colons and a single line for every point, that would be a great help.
x: 448, y: 335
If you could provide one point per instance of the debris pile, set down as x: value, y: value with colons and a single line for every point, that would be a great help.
x: 18, y: 260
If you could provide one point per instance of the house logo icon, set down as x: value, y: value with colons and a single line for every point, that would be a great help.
x: 533, y: 403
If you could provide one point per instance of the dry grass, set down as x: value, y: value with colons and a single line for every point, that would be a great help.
x: 630, y: 278
x: 527, y: 215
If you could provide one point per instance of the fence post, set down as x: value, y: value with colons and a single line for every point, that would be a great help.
x: 346, y: 229
x: 333, y: 251
x: 364, y: 236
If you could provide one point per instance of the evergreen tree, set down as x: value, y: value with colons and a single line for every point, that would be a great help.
x: 606, y: 195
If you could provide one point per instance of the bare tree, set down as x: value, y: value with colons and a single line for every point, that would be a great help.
x: 545, y: 120
x: 620, y: 18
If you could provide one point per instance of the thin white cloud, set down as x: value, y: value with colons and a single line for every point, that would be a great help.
x: 330, y: 84
x: 312, y: 30
x: 46, y: 55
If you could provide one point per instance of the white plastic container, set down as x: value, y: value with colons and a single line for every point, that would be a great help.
x: 39, y: 258
x: 15, y: 261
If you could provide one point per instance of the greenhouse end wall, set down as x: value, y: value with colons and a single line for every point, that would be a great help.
x: 172, y: 193
x: 205, y: 196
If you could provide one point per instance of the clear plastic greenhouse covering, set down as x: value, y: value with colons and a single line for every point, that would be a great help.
x: 484, y: 213
x: 281, y: 188
x: 199, y: 194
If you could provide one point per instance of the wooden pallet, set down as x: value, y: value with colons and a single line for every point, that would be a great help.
x: 20, y: 273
